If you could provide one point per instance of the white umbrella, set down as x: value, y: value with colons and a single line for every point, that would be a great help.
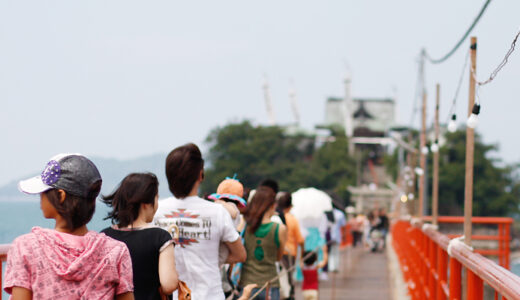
x: 309, y: 205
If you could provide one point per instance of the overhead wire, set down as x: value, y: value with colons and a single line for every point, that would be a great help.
x: 500, y: 66
x: 457, y: 90
x: 466, y: 34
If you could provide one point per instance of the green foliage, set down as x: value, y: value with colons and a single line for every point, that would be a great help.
x: 256, y: 153
x: 333, y: 168
x: 390, y: 161
x: 496, y: 188
x: 494, y: 191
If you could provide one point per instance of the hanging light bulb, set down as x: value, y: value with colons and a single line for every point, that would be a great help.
x: 419, y: 171
x: 452, y: 125
x: 435, y: 147
x: 404, y: 198
x: 473, y: 118
x: 406, y: 177
x: 424, y: 150
x: 410, y: 182
x: 411, y: 196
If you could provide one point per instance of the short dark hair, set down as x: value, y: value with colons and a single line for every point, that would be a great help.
x: 284, y: 200
x: 271, y: 183
x: 134, y: 189
x: 309, y: 258
x: 183, y: 166
x: 75, y: 210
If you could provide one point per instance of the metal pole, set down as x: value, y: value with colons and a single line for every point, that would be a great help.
x: 435, y: 187
x: 470, y: 147
x: 411, y: 158
x: 422, y: 158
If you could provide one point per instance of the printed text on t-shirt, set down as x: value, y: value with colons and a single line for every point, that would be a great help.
x: 192, y: 227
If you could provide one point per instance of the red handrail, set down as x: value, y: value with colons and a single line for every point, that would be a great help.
x: 503, y: 238
x: 433, y: 274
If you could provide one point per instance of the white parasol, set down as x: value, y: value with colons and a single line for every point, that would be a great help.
x: 309, y: 205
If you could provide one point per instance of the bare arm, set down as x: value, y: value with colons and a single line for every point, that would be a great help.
x: 246, y: 293
x: 20, y: 293
x: 325, y: 260
x: 231, y: 208
x: 282, y: 235
x: 237, y: 252
x: 167, y: 272
x: 302, y: 250
x: 125, y: 296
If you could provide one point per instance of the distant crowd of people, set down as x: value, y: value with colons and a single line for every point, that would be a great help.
x: 227, y: 244
x: 370, y: 230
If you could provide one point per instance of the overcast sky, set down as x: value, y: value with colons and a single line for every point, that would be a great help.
x: 129, y: 78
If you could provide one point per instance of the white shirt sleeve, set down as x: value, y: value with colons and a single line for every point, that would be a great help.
x: 229, y: 233
x: 276, y: 219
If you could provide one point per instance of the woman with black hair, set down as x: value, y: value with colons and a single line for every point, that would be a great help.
x: 134, y: 204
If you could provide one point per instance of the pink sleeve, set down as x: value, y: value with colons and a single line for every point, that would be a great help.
x: 17, y: 271
x: 124, y: 267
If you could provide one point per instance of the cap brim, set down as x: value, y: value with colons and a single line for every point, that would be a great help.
x: 236, y: 199
x: 33, y: 185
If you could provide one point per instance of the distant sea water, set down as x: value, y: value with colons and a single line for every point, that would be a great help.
x: 18, y: 216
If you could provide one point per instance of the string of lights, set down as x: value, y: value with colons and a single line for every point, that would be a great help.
x: 425, y: 56
x: 473, y: 118
x: 500, y: 66
x: 452, y: 116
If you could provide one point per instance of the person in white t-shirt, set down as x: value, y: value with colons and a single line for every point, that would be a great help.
x: 202, y: 225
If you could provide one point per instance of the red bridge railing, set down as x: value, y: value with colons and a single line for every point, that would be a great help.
x: 503, y: 236
x: 432, y: 273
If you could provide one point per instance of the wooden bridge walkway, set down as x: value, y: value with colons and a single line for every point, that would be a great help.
x: 362, y: 276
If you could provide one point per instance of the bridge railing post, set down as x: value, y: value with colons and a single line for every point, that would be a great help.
x: 455, y: 279
x: 442, y: 272
x: 434, y: 276
x: 501, y: 244
x: 475, y: 286
x: 506, y: 245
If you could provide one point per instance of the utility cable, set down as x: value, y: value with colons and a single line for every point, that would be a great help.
x: 456, y: 96
x: 495, y: 72
x: 445, y: 57
x: 500, y: 66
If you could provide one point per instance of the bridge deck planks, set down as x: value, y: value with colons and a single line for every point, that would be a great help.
x: 365, y: 279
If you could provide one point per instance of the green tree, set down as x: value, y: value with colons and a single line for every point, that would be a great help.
x: 333, y: 168
x: 494, y: 190
x: 256, y: 153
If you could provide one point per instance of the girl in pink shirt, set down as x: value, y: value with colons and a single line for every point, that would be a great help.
x: 69, y: 261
